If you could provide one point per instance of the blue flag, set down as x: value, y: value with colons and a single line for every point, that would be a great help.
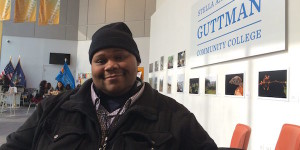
x: 65, y: 76
x: 18, y: 78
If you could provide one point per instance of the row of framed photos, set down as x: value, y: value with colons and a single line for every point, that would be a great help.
x: 272, y: 84
x: 160, y: 65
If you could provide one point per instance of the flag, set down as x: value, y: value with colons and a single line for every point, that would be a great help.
x: 25, y: 11
x: 8, y: 70
x: 49, y: 12
x: 18, y: 78
x: 65, y: 76
x: 5, y: 7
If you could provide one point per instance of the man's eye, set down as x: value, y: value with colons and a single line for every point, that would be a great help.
x: 101, y: 61
x: 119, y: 57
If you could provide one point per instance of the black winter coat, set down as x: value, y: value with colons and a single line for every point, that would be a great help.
x: 68, y: 121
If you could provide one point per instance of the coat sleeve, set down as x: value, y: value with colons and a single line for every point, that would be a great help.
x: 194, y: 137
x: 22, y: 139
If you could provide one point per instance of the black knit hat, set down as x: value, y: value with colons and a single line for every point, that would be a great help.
x: 114, y: 35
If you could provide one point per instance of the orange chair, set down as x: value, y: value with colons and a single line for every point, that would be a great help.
x: 240, y: 137
x: 289, y: 138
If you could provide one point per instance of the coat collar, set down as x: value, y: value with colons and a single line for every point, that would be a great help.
x: 146, y: 106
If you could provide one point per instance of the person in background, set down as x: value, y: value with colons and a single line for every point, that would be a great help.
x: 41, y: 92
x: 49, y: 88
x: 68, y: 87
x: 60, y: 87
x: 114, y: 110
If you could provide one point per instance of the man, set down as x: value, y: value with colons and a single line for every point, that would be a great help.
x: 114, y: 110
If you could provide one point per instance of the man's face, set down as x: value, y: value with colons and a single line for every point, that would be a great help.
x: 114, y: 71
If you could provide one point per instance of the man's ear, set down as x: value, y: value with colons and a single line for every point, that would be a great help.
x: 138, y: 64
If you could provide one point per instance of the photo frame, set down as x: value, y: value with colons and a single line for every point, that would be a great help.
x: 211, y: 85
x: 161, y: 63
x: 181, y: 59
x: 180, y: 83
x: 169, y: 85
x: 194, y: 86
x: 156, y: 66
x: 234, y: 84
x: 151, y: 68
x: 170, y: 62
x: 273, y: 84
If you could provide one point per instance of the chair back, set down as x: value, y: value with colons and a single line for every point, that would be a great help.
x: 240, y: 137
x: 289, y: 138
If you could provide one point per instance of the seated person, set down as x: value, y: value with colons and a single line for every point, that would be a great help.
x: 59, y: 88
x: 49, y: 88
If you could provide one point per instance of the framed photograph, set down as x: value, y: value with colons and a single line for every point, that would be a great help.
x: 194, y: 86
x: 169, y: 85
x: 161, y: 84
x: 211, y: 85
x: 151, y: 68
x: 170, y: 62
x: 156, y: 66
x: 180, y: 82
x: 234, y: 84
x: 155, y: 83
x: 151, y: 82
x: 181, y: 59
x: 162, y: 63
x: 272, y: 84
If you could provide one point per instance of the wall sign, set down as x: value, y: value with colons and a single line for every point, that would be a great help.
x: 224, y: 30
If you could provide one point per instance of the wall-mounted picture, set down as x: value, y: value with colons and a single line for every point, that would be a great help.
x: 162, y: 63
x: 169, y: 85
x: 151, y: 68
x: 181, y: 59
x: 151, y: 82
x: 170, y: 62
x: 234, y: 84
x: 156, y: 66
x: 194, y: 86
x: 211, y: 85
x: 161, y: 84
x: 180, y: 82
x: 155, y: 83
x: 82, y: 77
x: 273, y: 84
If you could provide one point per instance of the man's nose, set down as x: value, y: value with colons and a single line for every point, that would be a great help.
x: 111, y: 65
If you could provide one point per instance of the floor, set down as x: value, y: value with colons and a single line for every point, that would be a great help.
x: 10, y: 121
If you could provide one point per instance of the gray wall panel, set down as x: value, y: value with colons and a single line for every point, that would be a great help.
x: 83, y: 12
x: 18, y: 29
x: 96, y: 12
x: 150, y: 8
x: 137, y: 28
x: 72, y: 33
x: 92, y: 29
x: 82, y: 33
x: 63, y: 12
x: 135, y: 10
x: 147, y: 27
x: 115, y: 10
x: 73, y: 12
x: 51, y: 32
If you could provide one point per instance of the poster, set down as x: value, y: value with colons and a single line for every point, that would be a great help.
x: 273, y: 84
x: 234, y: 84
x: 194, y: 86
x: 211, y: 85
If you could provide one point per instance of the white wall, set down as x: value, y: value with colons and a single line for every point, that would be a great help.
x: 83, y: 64
x: 170, y: 34
x: 35, y: 54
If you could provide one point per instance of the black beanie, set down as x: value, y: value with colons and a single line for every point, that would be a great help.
x: 114, y: 35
